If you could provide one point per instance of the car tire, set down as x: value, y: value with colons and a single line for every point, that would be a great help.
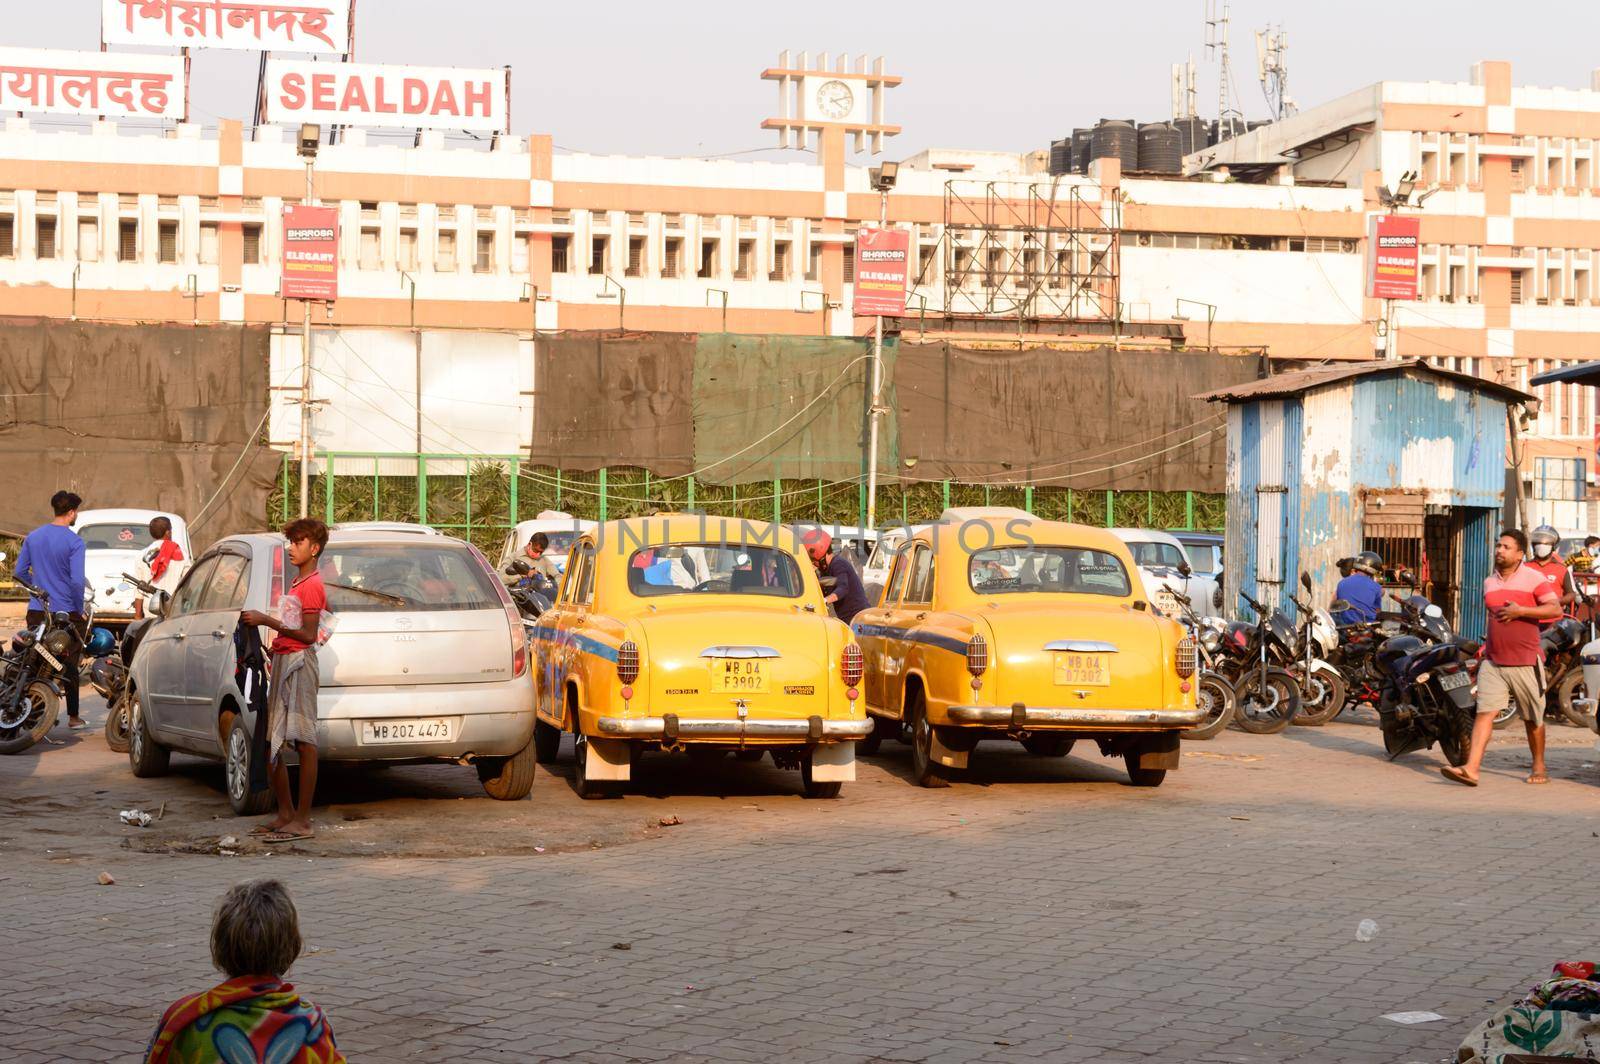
x: 1142, y: 777
x: 589, y: 789
x: 38, y: 722
x: 924, y: 770
x: 508, y: 779
x: 146, y: 757
x: 236, y: 772
x: 1569, y: 692
x: 116, y: 729
x: 1049, y: 744
x: 824, y: 790
x: 546, y: 742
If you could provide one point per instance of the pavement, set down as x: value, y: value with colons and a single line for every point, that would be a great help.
x: 1043, y: 911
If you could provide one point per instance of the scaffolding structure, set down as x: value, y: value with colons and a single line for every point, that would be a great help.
x: 1036, y: 252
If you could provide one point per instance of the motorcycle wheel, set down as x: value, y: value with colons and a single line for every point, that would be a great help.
x: 1569, y: 692
x: 1505, y: 716
x: 1457, y: 740
x: 1214, y: 695
x: 117, y: 725
x: 42, y: 706
x: 1267, y: 712
x: 1322, y: 695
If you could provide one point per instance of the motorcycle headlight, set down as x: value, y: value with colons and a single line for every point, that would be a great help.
x: 58, y: 642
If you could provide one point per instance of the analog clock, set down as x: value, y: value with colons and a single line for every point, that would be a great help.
x: 835, y: 99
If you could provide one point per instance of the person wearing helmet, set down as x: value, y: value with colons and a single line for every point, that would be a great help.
x: 1550, y: 565
x: 1360, y: 589
x: 847, y: 596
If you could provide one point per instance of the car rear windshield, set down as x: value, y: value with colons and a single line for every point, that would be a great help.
x: 405, y: 577
x: 115, y: 537
x: 1057, y: 570
x: 1156, y: 555
x: 713, y: 569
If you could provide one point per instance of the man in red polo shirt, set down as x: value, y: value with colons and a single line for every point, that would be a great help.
x: 1547, y: 563
x: 1518, y: 598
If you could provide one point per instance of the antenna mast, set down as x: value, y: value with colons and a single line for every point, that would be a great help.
x: 1217, y: 47
x: 1272, y: 69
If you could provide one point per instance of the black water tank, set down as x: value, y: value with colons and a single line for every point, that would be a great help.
x: 1116, y: 139
x: 1194, y: 134
x: 1160, y: 150
x: 1061, y: 156
x: 1082, y: 139
x: 1227, y: 129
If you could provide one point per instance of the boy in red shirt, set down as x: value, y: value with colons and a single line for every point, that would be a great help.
x: 292, y: 695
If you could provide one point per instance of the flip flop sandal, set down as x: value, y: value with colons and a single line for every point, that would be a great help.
x: 284, y: 836
x: 1450, y: 772
x: 1537, y: 779
x: 262, y: 829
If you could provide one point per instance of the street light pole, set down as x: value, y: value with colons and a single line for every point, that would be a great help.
x: 876, y: 409
x: 305, y: 379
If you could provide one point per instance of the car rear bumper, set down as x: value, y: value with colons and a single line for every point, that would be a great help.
x: 671, y: 728
x: 488, y: 720
x: 1018, y: 717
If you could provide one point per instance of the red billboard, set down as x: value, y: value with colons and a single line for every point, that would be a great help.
x: 311, y: 253
x: 1393, y: 263
x: 882, y: 265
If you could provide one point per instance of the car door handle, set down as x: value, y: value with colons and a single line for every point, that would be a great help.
x: 921, y: 616
x: 181, y: 636
x: 217, y: 633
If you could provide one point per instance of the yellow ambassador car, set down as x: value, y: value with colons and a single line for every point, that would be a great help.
x: 994, y: 625
x: 702, y: 634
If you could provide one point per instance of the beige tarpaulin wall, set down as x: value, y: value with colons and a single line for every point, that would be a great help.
x: 149, y: 416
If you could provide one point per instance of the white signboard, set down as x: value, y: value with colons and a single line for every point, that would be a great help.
x: 53, y: 82
x: 362, y: 94
x: 285, y: 26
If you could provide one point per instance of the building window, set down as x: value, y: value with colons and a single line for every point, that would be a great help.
x: 484, y: 262
x: 8, y: 237
x: 744, y: 264
x: 88, y: 240
x: 1561, y: 479
x: 814, y: 263
x: 127, y: 241
x: 46, y: 229
x: 252, y: 245
x: 519, y: 253
x: 367, y: 254
x: 560, y: 254
x: 597, y: 255
x: 635, y: 256
x: 672, y: 261
x: 850, y: 265
x: 992, y: 271
x: 780, y: 263
x: 1516, y: 286
x: 167, y: 251
x: 708, y: 258
x: 208, y: 244
x: 1519, y: 175
x: 406, y: 249
x: 445, y: 257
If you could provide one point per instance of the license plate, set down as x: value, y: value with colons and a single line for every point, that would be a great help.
x: 1166, y: 603
x: 1451, y: 680
x: 51, y: 658
x: 1082, y: 670
x: 739, y: 675
x: 432, y: 729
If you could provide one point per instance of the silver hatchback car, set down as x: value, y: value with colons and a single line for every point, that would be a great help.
x: 428, y: 661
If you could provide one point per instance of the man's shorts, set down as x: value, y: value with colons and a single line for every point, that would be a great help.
x: 1501, y: 685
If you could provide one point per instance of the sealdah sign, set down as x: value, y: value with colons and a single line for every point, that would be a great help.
x: 394, y: 97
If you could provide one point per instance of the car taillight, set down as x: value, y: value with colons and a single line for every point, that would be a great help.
x: 1187, y: 657
x: 628, y: 662
x: 519, y: 642
x: 977, y: 655
x: 277, y: 578
x: 851, y: 665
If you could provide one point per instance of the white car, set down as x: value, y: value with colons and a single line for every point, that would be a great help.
x: 387, y: 526
x: 561, y: 529
x: 1158, y: 556
x: 115, y: 542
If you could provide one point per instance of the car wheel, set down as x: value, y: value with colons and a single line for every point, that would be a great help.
x: 237, y: 762
x: 546, y: 742
x: 588, y: 788
x: 117, y: 724
x: 814, y: 788
x: 926, y: 771
x: 1142, y: 777
x: 146, y: 757
x: 508, y: 779
x: 1048, y: 745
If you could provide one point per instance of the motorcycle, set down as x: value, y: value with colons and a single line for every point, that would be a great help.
x: 1213, y: 693
x: 534, y: 593
x: 31, y: 669
x: 109, y: 672
x: 1254, y: 656
x: 1322, y: 686
x: 1564, y: 654
x: 1429, y: 695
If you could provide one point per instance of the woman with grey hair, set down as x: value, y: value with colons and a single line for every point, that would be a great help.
x: 254, y: 1014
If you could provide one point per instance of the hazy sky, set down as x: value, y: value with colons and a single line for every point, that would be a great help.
x: 634, y: 77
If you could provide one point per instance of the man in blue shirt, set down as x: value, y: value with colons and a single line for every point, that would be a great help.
x: 1361, y: 590
x: 846, y: 594
x: 51, y: 559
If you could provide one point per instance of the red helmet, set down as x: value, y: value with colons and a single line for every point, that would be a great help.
x: 817, y: 543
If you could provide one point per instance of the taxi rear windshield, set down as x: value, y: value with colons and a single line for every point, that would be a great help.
x: 713, y: 569
x: 1047, y: 570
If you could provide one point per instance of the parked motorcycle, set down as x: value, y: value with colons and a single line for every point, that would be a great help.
x: 109, y: 672
x: 1429, y: 696
x: 31, y: 673
x: 1213, y: 693
x: 1253, y: 662
x: 1322, y: 685
x: 534, y: 593
x: 1564, y: 643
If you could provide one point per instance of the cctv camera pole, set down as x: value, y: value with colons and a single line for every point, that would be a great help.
x: 305, y: 378
x: 877, y: 383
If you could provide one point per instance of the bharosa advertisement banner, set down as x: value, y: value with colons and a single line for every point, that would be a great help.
x: 310, y: 253
x: 882, y: 266
x: 1393, y: 264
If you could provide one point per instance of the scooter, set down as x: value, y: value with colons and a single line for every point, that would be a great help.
x: 109, y: 673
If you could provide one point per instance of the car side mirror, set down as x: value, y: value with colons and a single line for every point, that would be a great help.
x: 1305, y: 581
x: 1184, y: 570
x: 160, y: 605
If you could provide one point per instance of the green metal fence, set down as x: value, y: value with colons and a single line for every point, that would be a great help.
x: 481, y: 497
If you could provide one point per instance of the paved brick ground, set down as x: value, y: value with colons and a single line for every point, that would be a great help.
x: 1045, y: 911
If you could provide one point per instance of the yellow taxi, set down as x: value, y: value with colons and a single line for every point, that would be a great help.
x: 994, y: 625
x: 702, y: 634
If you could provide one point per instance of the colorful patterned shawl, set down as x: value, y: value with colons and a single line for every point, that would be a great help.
x: 249, y: 1020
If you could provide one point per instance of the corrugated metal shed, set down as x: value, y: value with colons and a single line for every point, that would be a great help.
x: 1321, y: 460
